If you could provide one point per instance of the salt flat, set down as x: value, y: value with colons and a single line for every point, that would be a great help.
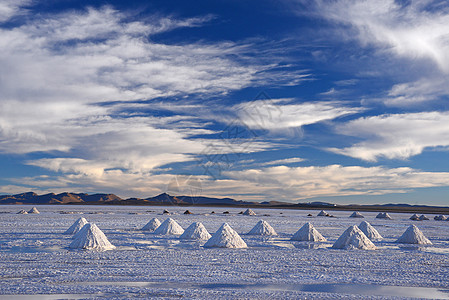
x: 35, y: 258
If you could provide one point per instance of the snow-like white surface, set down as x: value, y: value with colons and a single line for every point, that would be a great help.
x: 196, y: 231
x: 169, y: 227
x: 152, y: 225
x: 423, y: 218
x: 384, y: 215
x: 249, y: 212
x: 414, y: 217
x: 91, y: 237
x: 308, y: 233
x: 225, y: 237
x: 33, y: 211
x: 322, y: 213
x: 34, y: 257
x: 356, y: 214
x: 440, y: 218
x: 76, y: 227
x: 370, y: 231
x: 262, y: 228
x: 413, y: 236
x: 354, y: 238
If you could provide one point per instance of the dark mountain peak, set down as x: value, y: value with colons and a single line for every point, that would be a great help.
x: 27, y: 195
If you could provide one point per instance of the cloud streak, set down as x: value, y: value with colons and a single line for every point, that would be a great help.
x: 396, y: 136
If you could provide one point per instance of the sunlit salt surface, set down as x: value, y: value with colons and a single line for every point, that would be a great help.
x: 36, y: 263
x: 342, y: 288
x: 339, y: 288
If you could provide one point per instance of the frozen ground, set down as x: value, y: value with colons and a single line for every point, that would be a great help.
x: 35, y: 262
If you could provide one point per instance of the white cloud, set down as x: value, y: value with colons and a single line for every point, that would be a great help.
x: 425, y: 89
x: 56, y: 70
x: 11, y: 8
x: 415, y: 32
x: 409, y: 29
x: 396, y: 136
x: 290, y: 184
x: 281, y: 183
x: 279, y: 114
x: 283, y: 161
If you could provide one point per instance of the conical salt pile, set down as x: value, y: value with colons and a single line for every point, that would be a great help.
x: 356, y: 214
x: 415, y: 217
x: 33, y: 211
x: 370, y: 231
x: 354, y: 238
x: 91, y: 237
x: 423, y: 218
x: 262, y: 228
x: 440, y: 218
x: 76, y: 226
x: 196, y: 231
x: 308, y: 233
x: 152, y: 225
x: 249, y: 212
x: 413, y: 236
x: 225, y: 237
x: 169, y: 226
x: 22, y: 212
x: 322, y: 214
x: 384, y: 216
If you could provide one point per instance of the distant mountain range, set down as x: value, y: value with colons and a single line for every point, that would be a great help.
x: 164, y: 199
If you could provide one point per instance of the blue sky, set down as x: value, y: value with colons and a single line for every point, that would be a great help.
x: 342, y: 101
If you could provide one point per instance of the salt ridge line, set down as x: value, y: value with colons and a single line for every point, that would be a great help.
x: 353, y: 238
x: 169, y: 227
x: 76, y: 226
x: 413, y: 235
x: 152, y: 225
x: 308, y: 233
x: 262, y: 228
x: 225, y: 237
x: 196, y: 231
x: 370, y: 231
x: 91, y: 237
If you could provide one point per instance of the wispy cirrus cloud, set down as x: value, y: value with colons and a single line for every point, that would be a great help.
x: 11, y: 8
x: 284, y: 161
x: 413, y: 29
x: 282, y: 183
x: 57, y: 69
x: 282, y: 114
x: 395, y: 136
x: 285, y: 183
x: 414, y: 33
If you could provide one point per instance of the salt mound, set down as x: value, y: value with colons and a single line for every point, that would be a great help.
x: 384, y: 216
x: 196, y: 231
x: 370, y: 231
x: 423, y: 218
x: 152, y: 225
x: 322, y: 214
x: 308, y: 233
x: 22, y: 212
x: 414, y: 217
x: 91, y: 237
x: 262, y: 228
x: 356, y: 214
x: 225, y: 237
x: 354, y: 238
x: 33, y: 211
x: 169, y: 226
x: 76, y: 227
x: 249, y: 212
x: 439, y: 218
x: 413, y: 236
